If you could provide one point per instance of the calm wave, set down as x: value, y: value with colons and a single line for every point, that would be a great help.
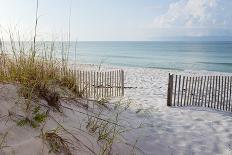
x: 212, y: 56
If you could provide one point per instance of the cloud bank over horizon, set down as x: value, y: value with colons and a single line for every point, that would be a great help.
x: 195, y: 18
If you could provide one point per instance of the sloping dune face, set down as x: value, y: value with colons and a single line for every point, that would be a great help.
x: 16, y: 139
x: 22, y: 139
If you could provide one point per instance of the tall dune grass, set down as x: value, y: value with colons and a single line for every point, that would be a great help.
x: 37, y: 72
x: 32, y: 68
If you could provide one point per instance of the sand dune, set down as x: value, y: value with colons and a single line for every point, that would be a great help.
x: 153, y: 128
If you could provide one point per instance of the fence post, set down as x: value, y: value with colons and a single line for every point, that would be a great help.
x: 170, y: 89
x: 122, y: 76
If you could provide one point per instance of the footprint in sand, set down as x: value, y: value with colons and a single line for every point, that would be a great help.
x: 198, y: 119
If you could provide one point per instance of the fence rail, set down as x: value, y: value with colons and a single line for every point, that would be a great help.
x: 95, y: 84
x: 202, y: 91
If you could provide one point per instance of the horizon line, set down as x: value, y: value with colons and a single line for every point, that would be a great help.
x: 121, y: 41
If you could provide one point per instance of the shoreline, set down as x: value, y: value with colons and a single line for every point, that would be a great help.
x: 107, y: 66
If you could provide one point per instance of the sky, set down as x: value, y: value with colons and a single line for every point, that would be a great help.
x: 119, y: 20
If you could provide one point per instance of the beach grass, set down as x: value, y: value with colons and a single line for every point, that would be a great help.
x: 44, y: 77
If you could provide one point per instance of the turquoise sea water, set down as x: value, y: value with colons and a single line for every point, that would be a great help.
x: 212, y: 56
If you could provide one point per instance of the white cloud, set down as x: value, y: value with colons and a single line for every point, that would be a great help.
x: 196, y: 18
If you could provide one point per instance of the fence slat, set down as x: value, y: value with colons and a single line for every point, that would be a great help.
x: 186, y: 89
x: 104, y: 81
x: 224, y: 96
x: 227, y: 93
x: 81, y: 89
x: 212, y: 92
x: 119, y: 88
x: 170, y: 90
x: 174, y: 103
x: 194, y: 91
x: 230, y: 104
x: 86, y: 85
x: 197, y: 91
x: 192, y: 88
x: 89, y: 83
x: 182, y: 90
x: 178, y: 95
x: 97, y: 85
x: 93, y: 84
x: 84, y: 79
x: 206, y: 92
x: 77, y: 80
x: 219, y: 88
x: 102, y: 87
x: 203, y: 91
x: 222, y: 86
x: 200, y: 92
x: 115, y: 83
x: 122, y: 82
x: 189, y: 93
x: 119, y: 81
x: 105, y: 84
x: 110, y: 83
x: 210, y: 80
x: 215, y: 92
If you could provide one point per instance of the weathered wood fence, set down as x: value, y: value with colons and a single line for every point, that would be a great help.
x: 98, y: 84
x: 202, y: 91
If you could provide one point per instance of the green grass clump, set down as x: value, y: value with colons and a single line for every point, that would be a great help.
x: 36, y: 119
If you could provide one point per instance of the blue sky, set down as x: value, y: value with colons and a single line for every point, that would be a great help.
x: 120, y: 20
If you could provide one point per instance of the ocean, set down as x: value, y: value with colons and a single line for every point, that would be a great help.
x: 209, y: 56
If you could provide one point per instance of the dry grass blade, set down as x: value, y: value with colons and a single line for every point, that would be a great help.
x: 57, y: 143
x: 71, y: 134
x: 3, y: 140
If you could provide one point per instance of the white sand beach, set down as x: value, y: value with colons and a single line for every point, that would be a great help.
x: 175, y: 130
x: 172, y: 131
x: 153, y: 128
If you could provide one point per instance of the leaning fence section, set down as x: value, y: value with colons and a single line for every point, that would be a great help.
x: 203, y: 91
x: 98, y: 84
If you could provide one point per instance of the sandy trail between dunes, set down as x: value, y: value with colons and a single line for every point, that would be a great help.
x: 172, y: 131
x: 175, y: 131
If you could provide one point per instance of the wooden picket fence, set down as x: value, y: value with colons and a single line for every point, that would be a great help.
x: 98, y: 84
x: 202, y: 91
